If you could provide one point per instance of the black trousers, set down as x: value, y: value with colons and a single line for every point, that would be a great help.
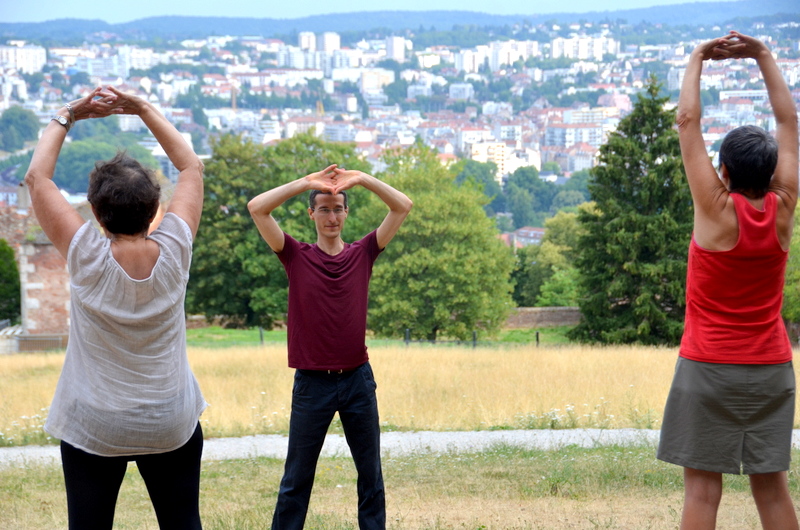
x: 172, y: 480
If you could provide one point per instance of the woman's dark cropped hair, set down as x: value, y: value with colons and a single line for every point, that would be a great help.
x: 750, y: 155
x: 124, y: 194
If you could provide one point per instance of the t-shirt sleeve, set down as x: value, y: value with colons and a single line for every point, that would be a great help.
x: 371, y: 241
x: 86, y: 255
x: 289, y: 250
x: 174, y: 235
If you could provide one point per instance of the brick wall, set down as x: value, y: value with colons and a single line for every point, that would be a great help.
x: 45, y: 289
x: 43, y: 274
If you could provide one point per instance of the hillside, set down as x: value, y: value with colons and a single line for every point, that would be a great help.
x: 169, y: 28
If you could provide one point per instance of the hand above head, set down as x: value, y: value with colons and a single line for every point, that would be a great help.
x: 93, y: 105
x: 716, y: 49
x: 745, y: 47
x: 322, y: 180
x: 124, y: 103
x: 347, y: 178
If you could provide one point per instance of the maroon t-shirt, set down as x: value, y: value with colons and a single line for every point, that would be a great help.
x: 328, y: 298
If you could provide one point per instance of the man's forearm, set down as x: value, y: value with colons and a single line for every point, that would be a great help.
x: 396, y: 200
x: 266, y: 202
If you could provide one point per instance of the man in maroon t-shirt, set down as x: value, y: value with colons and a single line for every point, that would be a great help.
x: 328, y: 294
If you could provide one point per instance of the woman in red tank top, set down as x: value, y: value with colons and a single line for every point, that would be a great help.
x: 731, y: 405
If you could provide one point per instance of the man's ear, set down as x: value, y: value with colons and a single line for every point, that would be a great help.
x: 311, y: 213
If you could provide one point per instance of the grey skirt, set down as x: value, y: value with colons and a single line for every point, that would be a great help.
x: 729, y: 418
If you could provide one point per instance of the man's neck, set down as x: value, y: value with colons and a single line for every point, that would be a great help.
x: 330, y: 246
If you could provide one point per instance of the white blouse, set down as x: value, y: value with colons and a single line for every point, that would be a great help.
x: 126, y: 387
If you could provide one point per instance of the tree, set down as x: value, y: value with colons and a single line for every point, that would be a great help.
x: 528, y: 197
x: 632, y: 257
x: 234, y: 274
x: 446, y: 273
x: 537, y: 265
x: 9, y: 284
x: 791, y: 290
x: 78, y: 159
x: 17, y: 126
x: 482, y: 175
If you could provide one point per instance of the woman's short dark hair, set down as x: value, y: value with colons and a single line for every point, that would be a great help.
x: 124, y: 194
x: 750, y: 155
x: 312, y: 197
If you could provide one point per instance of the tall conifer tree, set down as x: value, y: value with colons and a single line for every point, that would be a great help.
x: 633, y: 255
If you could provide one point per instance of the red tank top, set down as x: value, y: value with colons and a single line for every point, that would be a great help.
x: 734, y: 297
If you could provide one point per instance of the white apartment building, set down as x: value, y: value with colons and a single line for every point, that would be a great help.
x: 492, y: 108
x: 374, y: 79
x: 302, y: 124
x: 396, y: 49
x: 583, y: 47
x: 568, y: 134
x: 284, y: 77
x: 467, y: 136
x: 470, y: 61
x: 25, y: 58
x: 329, y: 42
x: 489, y: 151
x: 142, y: 58
x: 504, y: 53
x: 507, y: 131
x: 307, y: 40
x: 461, y: 91
x: 104, y: 66
x: 414, y: 91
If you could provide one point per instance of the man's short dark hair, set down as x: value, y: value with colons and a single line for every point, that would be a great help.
x: 312, y: 197
x: 750, y: 155
x: 124, y: 194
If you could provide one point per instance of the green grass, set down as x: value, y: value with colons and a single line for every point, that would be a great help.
x: 547, y: 336
x: 424, y: 491
x: 218, y: 337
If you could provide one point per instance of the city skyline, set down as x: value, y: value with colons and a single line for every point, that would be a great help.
x: 47, y: 10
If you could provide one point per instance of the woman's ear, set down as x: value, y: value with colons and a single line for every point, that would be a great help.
x: 724, y: 176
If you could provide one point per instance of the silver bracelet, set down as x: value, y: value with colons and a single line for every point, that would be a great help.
x: 71, y: 114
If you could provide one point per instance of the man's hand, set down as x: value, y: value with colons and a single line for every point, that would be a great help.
x: 323, y: 180
x: 345, y: 179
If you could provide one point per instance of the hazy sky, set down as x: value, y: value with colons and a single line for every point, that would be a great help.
x: 126, y: 11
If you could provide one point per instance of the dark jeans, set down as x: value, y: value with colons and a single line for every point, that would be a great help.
x: 172, y: 480
x: 316, y: 396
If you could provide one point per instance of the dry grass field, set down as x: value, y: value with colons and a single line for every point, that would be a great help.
x: 419, y: 388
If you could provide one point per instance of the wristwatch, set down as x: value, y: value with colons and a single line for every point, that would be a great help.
x: 62, y: 120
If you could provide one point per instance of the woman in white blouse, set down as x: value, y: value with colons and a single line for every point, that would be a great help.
x: 126, y: 391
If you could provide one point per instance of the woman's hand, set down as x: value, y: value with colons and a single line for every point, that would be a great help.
x: 93, y: 105
x: 745, y: 47
x: 123, y: 103
x: 716, y: 49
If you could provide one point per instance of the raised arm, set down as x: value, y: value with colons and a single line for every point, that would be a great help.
x: 187, y: 201
x: 59, y: 220
x: 708, y: 192
x: 399, y: 204
x: 784, y: 180
x: 262, y: 206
